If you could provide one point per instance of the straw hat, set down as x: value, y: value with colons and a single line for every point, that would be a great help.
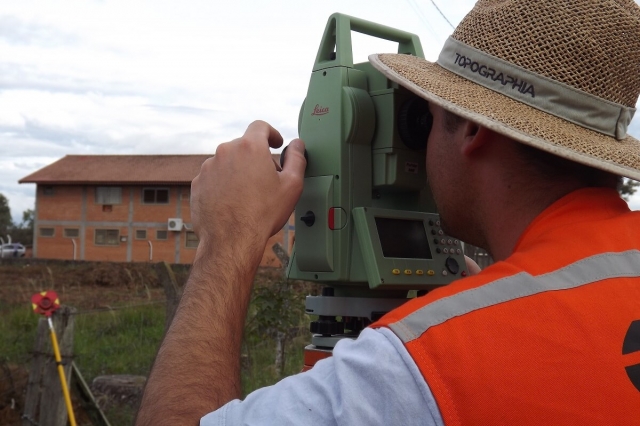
x: 559, y: 75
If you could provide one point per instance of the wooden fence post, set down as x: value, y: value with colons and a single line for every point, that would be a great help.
x: 87, y: 400
x: 44, y: 403
x: 281, y: 254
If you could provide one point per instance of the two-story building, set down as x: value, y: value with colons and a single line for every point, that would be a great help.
x: 122, y: 208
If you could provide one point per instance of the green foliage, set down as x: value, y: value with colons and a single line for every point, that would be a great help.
x: 19, y: 232
x: 627, y: 188
x: 17, y: 333
x: 258, y: 361
x: 22, y: 235
x: 5, y: 215
x: 28, y: 216
x: 118, y: 342
x: 23, y: 232
x: 277, y: 307
x: 276, y: 332
x: 108, y: 342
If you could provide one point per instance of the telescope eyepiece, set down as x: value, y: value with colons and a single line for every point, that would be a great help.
x: 414, y: 123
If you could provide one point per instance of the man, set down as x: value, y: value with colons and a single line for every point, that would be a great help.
x: 531, y: 100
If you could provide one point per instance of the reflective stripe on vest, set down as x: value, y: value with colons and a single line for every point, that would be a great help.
x: 586, y: 271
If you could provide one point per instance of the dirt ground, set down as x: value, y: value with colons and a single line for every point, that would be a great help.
x: 83, y: 285
x: 91, y: 285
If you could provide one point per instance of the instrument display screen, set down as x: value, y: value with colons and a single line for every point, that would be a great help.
x: 403, y: 238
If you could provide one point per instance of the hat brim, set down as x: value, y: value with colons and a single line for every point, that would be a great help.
x: 509, y: 117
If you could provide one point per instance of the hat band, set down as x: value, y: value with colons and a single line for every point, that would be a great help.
x: 535, y: 90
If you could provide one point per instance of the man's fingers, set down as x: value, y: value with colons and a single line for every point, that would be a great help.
x: 260, y: 130
x: 295, y: 162
x: 472, y: 266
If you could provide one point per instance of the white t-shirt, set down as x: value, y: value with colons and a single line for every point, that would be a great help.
x: 368, y: 381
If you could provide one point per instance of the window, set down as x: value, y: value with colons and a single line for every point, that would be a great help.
x: 107, y: 237
x: 141, y: 234
x: 108, y: 195
x: 162, y: 235
x: 191, y: 240
x: 47, y: 232
x: 71, y: 232
x: 47, y: 190
x: 155, y: 196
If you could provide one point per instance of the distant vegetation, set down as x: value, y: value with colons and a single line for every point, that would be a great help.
x: 20, y: 232
x: 627, y: 188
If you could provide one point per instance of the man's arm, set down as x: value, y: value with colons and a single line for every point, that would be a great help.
x: 237, y: 202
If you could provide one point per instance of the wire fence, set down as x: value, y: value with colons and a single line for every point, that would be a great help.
x: 17, y: 352
x: 14, y: 369
x: 118, y: 308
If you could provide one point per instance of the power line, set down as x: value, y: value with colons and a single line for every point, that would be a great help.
x: 117, y: 308
x: 423, y: 18
x: 442, y: 14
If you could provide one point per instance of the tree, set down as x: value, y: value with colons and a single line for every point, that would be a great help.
x: 19, y: 232
x: 23, y: 232
x: 28, y: 217
x: 278, y: 312
x: 5, y: 216
x: 627, y: 188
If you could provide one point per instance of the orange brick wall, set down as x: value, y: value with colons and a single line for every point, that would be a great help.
x: 64, y: 204
x: 64, y: 209
x: 55, y: 247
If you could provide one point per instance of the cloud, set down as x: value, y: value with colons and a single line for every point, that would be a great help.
x: 21, y: 197
x: 31, y: 77
x: 182, y: 109
x: 124, y: 77
x: 15, y: 31
x: 634, y: 127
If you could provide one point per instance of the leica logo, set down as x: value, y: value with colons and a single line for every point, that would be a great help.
x: 319, y: 110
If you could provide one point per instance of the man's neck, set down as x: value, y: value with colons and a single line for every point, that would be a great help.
x: 511, y: 205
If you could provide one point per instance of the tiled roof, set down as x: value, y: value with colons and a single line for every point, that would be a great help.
x: 122, y: 169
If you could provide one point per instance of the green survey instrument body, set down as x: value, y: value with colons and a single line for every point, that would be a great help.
x: 366, y: 218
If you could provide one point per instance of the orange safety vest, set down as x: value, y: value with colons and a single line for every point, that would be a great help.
x: 549, y: 336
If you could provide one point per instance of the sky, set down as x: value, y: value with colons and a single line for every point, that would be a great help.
x: 167, y: 77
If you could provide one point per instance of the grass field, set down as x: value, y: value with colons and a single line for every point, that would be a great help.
x: 123, y: 338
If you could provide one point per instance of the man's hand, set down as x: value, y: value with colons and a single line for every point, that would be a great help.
x: 239, y: 194
x: 238, y: 201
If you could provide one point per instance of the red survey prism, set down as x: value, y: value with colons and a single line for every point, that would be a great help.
x: 45, y: 302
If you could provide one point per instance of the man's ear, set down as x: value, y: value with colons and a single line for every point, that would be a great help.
x: 475, y: 137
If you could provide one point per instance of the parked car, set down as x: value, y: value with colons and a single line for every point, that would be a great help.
x: 12, y: 250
